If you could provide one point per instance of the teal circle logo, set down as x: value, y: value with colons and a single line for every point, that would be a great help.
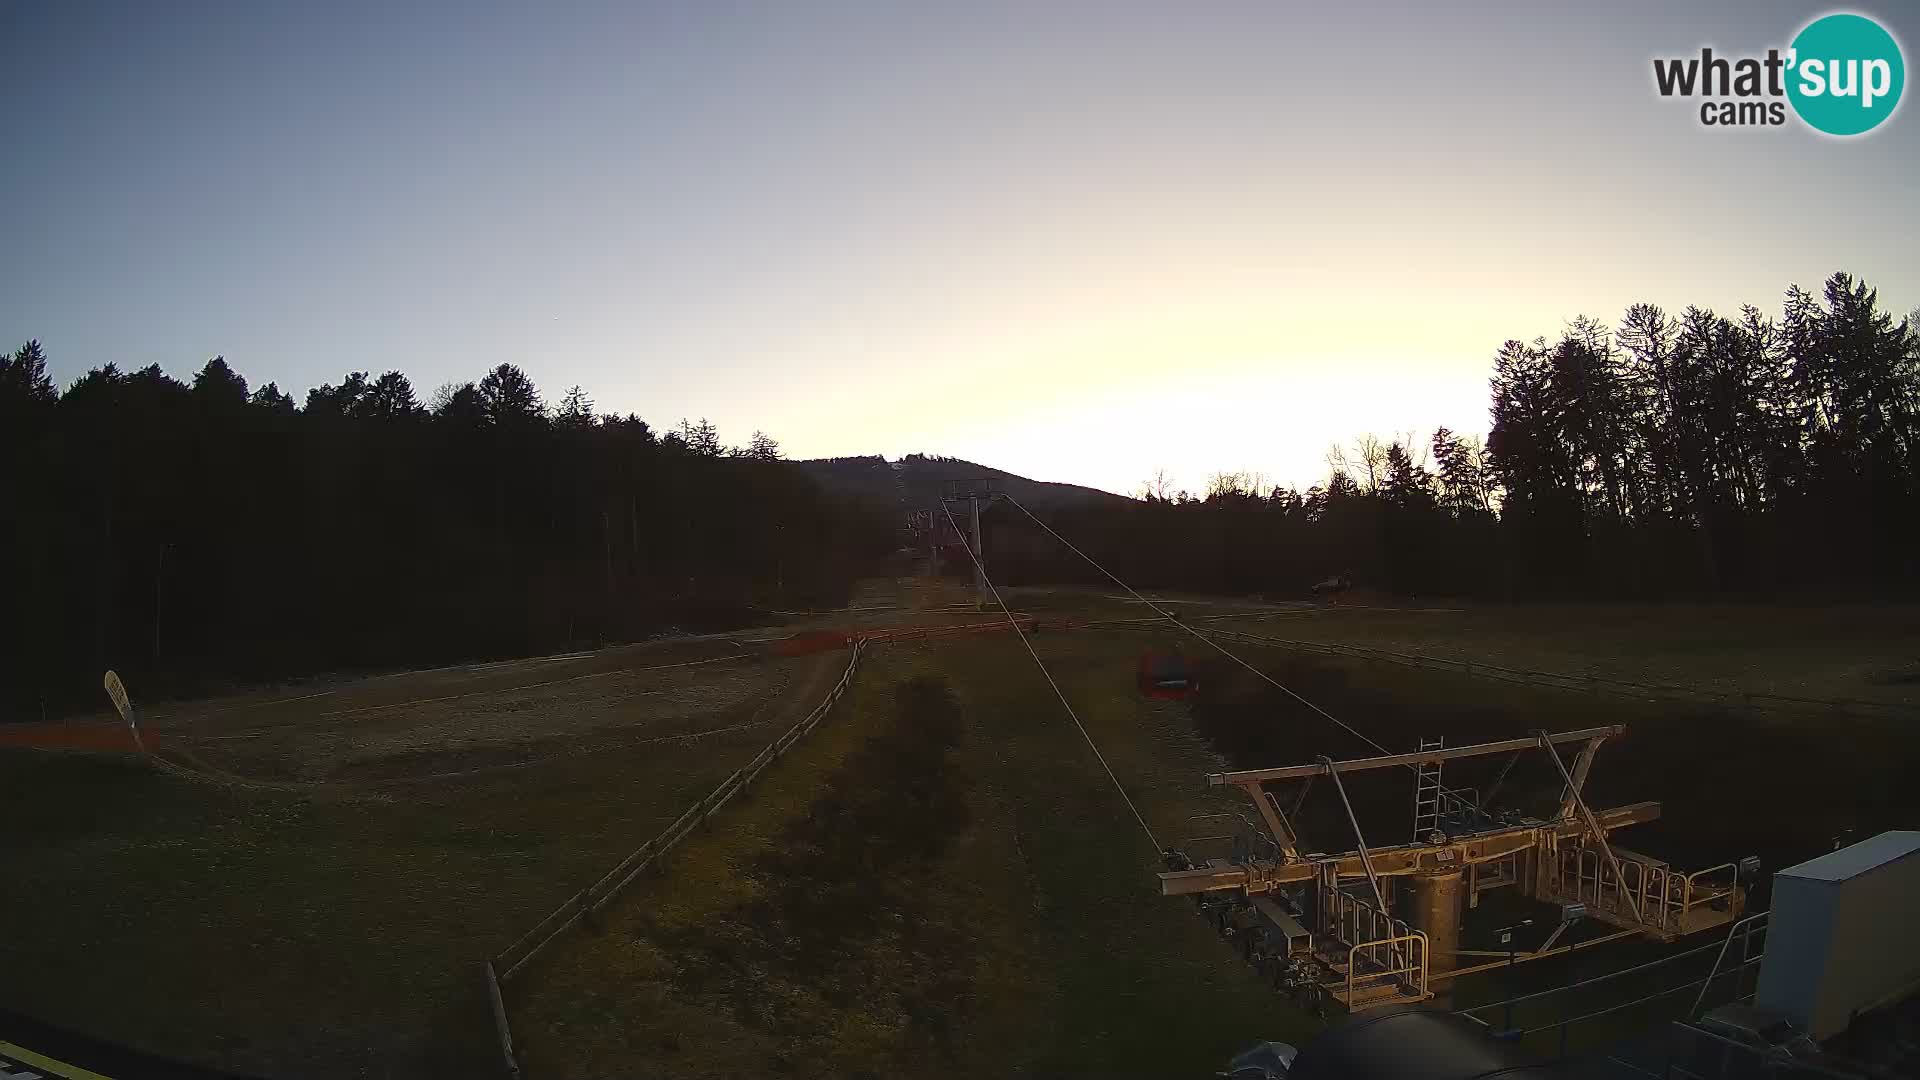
x: 1845, y: 74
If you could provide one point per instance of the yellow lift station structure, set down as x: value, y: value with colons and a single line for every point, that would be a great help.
x: 1380, y: 925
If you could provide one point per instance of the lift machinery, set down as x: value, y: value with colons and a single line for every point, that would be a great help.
x: 1377, y: 926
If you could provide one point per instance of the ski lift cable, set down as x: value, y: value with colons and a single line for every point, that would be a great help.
x: 1022, y: 634
x: 1170, y: 617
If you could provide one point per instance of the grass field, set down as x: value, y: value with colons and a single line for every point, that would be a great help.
x: 1866, y: 652
x: 1018, y: 931
x: 943, y: 883
x: 336, y: 929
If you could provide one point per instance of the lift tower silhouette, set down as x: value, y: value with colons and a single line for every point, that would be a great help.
x: 972, y: 492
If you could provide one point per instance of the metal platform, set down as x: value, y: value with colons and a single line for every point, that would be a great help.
x: 1366, y: 955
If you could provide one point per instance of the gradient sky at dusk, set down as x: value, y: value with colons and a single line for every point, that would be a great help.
x: 1078, y: 241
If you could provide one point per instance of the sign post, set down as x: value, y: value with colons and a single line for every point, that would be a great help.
x: 117, y: 692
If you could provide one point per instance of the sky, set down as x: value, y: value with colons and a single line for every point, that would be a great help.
x: 1076, y: 241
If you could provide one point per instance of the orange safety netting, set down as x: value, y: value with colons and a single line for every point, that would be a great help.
x: 63, y: 735
x: 813, y: 641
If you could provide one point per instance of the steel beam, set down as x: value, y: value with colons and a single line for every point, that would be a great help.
x: 1569, y: 799
x: 1276, y: 823
x: 1424, y: 757
x: 1406, y: 859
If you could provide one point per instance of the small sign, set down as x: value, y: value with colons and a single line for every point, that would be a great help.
x: 1506, y: 937
x: 1570, y: 912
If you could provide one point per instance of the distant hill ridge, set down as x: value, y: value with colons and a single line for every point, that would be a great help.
x: 916, y: 481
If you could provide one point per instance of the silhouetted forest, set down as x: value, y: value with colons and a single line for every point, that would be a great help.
x: 191, y: 534
x: 188, y: 535
x: 1670, y: 456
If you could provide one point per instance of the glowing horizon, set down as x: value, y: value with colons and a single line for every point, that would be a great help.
x: 1078, y: 243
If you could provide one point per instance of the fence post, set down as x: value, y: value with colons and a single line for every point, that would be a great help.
x: 648, y: 858
x: 500, y: 1022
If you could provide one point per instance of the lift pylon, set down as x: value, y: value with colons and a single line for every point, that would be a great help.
x: 972, y: 492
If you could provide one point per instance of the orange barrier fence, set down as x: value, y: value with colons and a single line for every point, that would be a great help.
x: 813, y: 641
x: 63, y: 735
x: 919, y: 633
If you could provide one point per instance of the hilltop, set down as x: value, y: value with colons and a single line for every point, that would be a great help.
x: 915, y: 481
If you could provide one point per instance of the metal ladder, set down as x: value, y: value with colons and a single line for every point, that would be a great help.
x: 1427, y: 792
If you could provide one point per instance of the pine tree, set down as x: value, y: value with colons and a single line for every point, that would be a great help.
x: 509, y: 399
x: 389, y: 398
x: 701, y: 439
x: 576, y: 410
x: 763, y: 447
x: 270, y: 397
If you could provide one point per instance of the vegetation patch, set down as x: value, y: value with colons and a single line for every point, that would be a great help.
x: 840, y: 934
x: 285, y: 936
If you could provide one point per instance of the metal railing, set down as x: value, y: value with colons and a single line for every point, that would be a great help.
x: 1459, y: 800
x: 1693, y: 1053
x: 1741, y: 974
x: 1665, y: 896
x: 1354, y: 921
x: 1745, y: 929
x: 1404, y: 964
x: 1245, y: 844
x: 1368, y: 932
x: 1482, y: 877
x: 589, y: 901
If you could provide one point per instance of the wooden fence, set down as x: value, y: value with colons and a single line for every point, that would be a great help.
x: 589, y: 901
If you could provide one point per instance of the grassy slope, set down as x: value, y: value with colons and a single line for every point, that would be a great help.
x: 1142, y: 986
x: 1848, y: 651
x: 1043, y: 910
x: 1851, y: 650
x: 297, y: 937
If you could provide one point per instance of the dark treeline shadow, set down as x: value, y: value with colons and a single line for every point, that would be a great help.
x: 1672, y: 457
x: 193, y: 536
x: 196, y: 535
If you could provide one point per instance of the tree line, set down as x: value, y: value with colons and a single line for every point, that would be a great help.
x: 189, y: 534
x: 1696, y: 455
x: 196, y: 534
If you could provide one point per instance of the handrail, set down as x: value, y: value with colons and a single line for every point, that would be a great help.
x: 1800, y: 1066
x: 1742, y: 927
x: 1253, y: 834
x: 1566, y: 1022
x: 1587, y: 982
x: 1665, y: 896
x: 1735, y: 867
x: 1408, y: 966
